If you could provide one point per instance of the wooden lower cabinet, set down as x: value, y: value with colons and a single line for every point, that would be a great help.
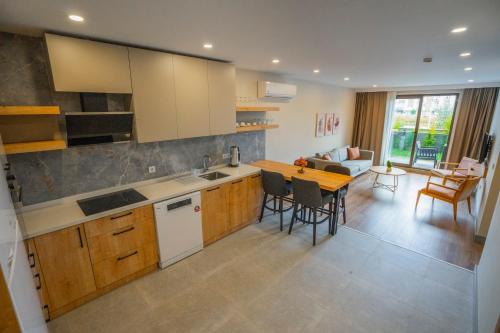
x: 230, y: 206
x: 255, y: 197
x: 215, y: 212
x: 65, y: 262
x: 79, y: 263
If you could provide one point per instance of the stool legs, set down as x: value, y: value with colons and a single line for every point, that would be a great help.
x: 263, y: 207
x: 281, y: 213
x: 343, y: 210
x: 295, y: 206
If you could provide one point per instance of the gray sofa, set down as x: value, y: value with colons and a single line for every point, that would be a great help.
x: 339, y: 157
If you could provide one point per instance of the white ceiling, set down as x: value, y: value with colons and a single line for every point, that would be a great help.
x: 372, y: 41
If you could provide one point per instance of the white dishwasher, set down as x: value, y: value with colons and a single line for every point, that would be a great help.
x: 178, y: 228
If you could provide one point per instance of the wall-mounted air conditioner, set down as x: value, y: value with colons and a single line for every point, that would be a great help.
x: 268, y: 89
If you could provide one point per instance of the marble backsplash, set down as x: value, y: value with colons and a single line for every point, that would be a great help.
x: 52, y: 175
x: 55, y: 174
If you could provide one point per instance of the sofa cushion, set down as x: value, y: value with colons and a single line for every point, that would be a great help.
x: 353, y: 153
x: 343, y: 153
x: 334, y: 154
x: 352, y: 165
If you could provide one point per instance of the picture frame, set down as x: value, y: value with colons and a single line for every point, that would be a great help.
x: 329, y: 120
x: 320, y: 125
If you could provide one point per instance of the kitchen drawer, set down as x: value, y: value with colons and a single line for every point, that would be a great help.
x: 116, y: 222
x: 117, y: 267
x: 38, y: 277
x: 121, y: 240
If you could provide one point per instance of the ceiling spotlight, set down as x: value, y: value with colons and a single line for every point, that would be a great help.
x: 346, y: 79
x: 276, y: 61
x: 316, y: 71
x: 374, y: 86
x: 76, y: 18
x: 465, y: 54
x: 467, y: 69
x: 470, y: 81
x: 458, y: 30
x: 208, y: 45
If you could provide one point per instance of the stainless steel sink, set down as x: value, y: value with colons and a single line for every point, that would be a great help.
x: 214, y: 175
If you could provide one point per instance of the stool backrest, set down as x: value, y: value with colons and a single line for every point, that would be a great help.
x: 306, y: 192
x: 274, y: 183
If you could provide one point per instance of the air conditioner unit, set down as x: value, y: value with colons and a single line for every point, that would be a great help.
x: 268, y: 89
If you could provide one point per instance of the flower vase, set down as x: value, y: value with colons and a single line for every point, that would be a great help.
x: 301, y: 170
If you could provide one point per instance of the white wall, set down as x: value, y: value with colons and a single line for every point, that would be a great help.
x: 488, y: 283
x: 295, y: 136
x: 488, y: 191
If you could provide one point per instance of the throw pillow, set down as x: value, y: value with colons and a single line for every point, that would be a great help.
x: 353, y: 153
x: 326, y: 157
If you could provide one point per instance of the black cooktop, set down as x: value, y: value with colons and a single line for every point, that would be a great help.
x: 110, y: 201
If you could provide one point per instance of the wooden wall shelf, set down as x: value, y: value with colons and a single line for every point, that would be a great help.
x: 256, y: 108
x: 256, y: 128
x: 34, y: 146
x: 29, y: 110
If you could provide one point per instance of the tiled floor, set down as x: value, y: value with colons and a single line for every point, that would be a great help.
x: 261, y: 280
x: 429, y: 229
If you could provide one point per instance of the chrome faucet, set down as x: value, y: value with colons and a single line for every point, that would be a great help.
x: 206, y: 160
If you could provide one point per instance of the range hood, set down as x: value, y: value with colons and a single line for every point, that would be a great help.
x: 102, y: 126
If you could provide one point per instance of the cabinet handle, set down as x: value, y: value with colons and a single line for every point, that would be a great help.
x: 47, y: 317
x: 213, y: 189
x: 31, y: 260
x: 255, y: 176
x: 128, y: 255
x: 80, y: 237
x: 123, y: 231
x: 38, y: 283
x: 238, y: 181
x: 120, y: 216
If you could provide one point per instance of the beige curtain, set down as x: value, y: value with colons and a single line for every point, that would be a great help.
x: 369, y: 122
x: 474, y: 118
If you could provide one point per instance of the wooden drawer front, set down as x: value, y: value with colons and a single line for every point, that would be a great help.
x: 109, y: 224
x: 117, y: 267
x: 38, y: 277
x: 121, y: 240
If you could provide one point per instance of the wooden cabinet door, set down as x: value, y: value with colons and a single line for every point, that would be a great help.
x: 238, y: 203
x: 81, y: 65
x: 191, y: 96
x: 65, y: 261
x: 37, y: 272
x: 153, y: 99
x: 222, y: 97
x: 214, y: 212
x: 255, y: 197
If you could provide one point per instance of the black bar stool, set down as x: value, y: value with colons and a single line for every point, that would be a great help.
x: 343, y: 191
x: 310, y: 197
x: 275, y: 185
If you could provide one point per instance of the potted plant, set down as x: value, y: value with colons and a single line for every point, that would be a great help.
x: 389, y: 166
x: 302, y: 163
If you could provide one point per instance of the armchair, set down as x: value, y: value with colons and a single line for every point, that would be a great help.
x: 466, y: 167
x: 453, y: 195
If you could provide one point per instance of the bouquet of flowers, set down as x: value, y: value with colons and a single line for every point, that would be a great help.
x: 302, y: 163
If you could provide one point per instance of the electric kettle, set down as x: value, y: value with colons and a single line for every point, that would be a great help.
x: 234, y: 156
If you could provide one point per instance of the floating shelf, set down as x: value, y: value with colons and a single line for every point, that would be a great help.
x: 256, y: 128
x: 33, y: 146
x: 29, y: 110
x: 256, y: 108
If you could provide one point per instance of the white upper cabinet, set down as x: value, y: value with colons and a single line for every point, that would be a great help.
x: 153, y: 98
x: 222, y: 97
x: 191, y: 96
x: 81, y: 65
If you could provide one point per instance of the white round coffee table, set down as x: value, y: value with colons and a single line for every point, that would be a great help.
x: 382, y: 170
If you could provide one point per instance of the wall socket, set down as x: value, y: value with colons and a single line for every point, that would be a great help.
x: 152, y: 169
x: 226, y: 155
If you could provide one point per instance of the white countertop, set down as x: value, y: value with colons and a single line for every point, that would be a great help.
x: 66, y: 212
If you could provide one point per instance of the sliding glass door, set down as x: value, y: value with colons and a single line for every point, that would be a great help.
x: 420, y: 129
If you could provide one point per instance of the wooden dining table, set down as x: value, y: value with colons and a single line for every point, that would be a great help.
x: 327, y: 180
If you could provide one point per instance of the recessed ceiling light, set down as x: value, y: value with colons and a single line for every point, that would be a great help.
x: 208, y: 45
x: 465, y: 54
x: 470, y: 81
x: 346, y: 79
x: 467, y: 69
x: 316, y: 71
x: 458, y: 30
x: 76, y: 18
x: 374, y: 86
x: 276, y: 61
